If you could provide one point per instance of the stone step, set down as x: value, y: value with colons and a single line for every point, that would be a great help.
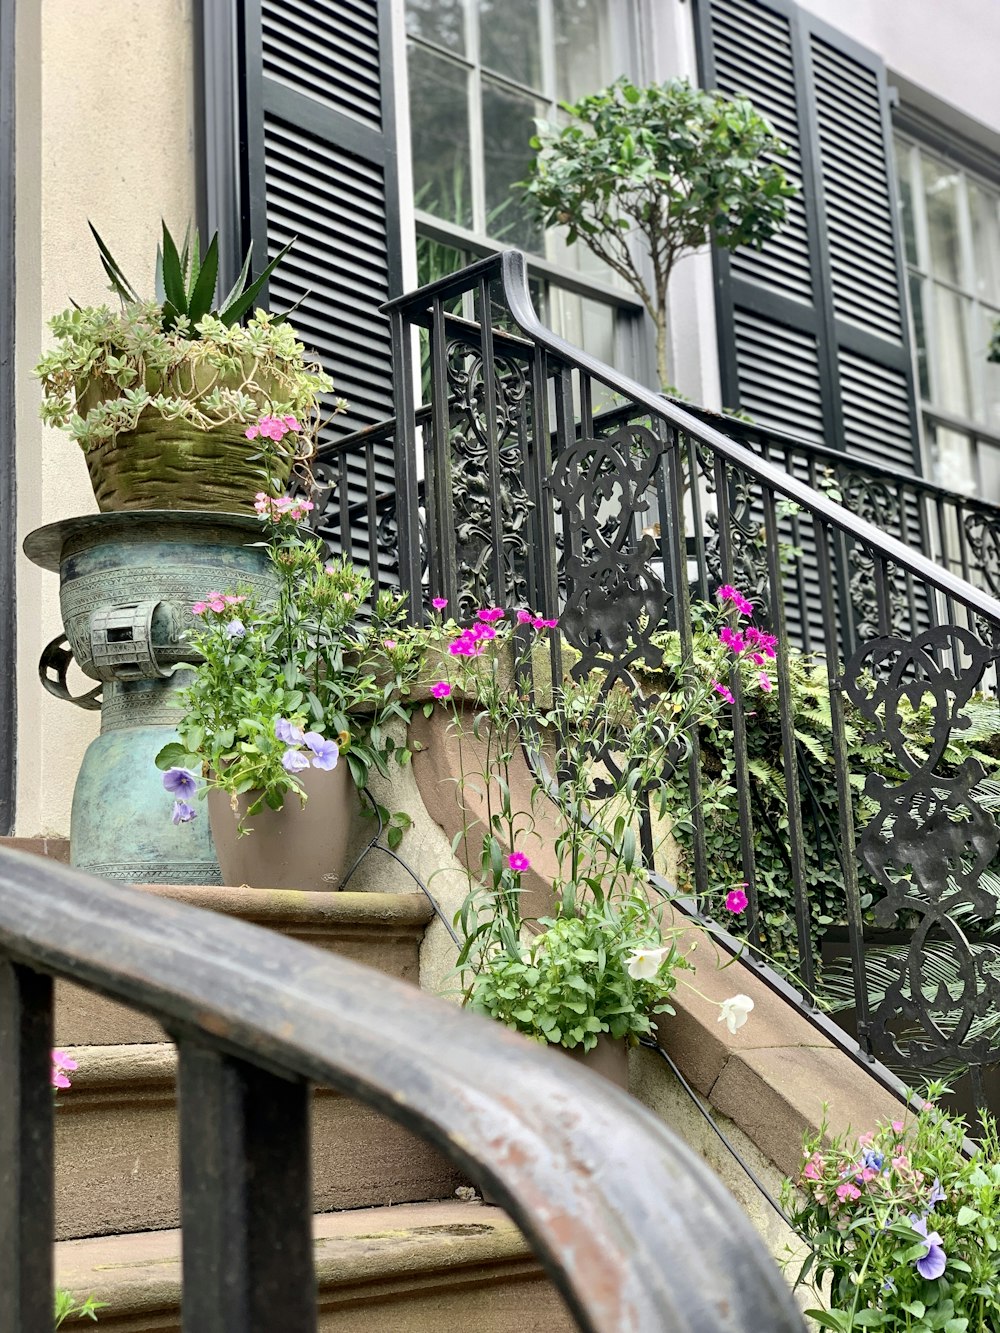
x: 383, y: 930
x: 420, y: 1268
x: 117, y: 1151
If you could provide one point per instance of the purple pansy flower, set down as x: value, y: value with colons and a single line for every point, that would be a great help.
x: 183, y: 813
x: 294, y: 761
x: 180, y: 782
x: 284, y: 731
x: 325, y: 753
x: 936, y: 1196
x: 934, y: 1262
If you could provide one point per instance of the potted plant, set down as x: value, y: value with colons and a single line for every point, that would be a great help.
x: 670, y: 165
x: 165, y: 396
x: 589, y: 976
x: 902, y: 1225
x: 287, y: 712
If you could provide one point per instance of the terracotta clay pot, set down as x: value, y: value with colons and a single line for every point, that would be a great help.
x: 609, y: 1058
x: 297, y: 847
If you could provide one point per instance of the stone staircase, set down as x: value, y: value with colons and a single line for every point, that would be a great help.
x: 397, y: 1250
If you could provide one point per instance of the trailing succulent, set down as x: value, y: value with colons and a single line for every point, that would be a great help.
x: 181, y: 355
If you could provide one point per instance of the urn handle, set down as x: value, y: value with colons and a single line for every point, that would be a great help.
x: 124, y: 640
x: 52, y: 667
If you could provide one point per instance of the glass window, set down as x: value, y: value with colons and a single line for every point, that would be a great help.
x: 951, y: 229
x: 481, y: 72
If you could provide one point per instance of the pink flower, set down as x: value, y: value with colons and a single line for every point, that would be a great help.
x: 724, y: 690
x: 756, y: 638
x: 727, y: 593
x: 539, y: 623
x: 736, y: 900
x: 732, y: 639
x: 518, y: 861
x: 388, y: 643
x: 291, y: 423
x: 847, y: 1193
x: 199, y: 608
x: 439, y: 603
x: 216, y: 603
x: 441, y: 689
x: 898, y: 1126
x: 765, y: 682
x: 485, y: 632
x: 252, y: 432
x: 813, y: 1169
x: 233, y: 601
x: 62, y: 1066
x: 490, y: 613
x: 525, y: 617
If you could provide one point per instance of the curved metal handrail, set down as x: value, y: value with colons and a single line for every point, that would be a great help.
x: 633, y: 1228
x: 510, y: 268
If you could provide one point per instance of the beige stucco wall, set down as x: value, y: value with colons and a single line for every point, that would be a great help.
x: 105, y: 110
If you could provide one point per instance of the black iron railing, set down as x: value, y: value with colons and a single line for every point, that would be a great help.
x: 634, y: 1230
x: 876, y: 845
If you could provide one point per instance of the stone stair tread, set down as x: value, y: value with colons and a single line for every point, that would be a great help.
x: 290, y: 906
x: 366, y: 1260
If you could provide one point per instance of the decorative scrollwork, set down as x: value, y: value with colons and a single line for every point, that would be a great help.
x: 927, y: 846
x: 982, y: 532
x: 747, y: 537
x: 473, y: 493
x: 615, y: 593
x: 878, y: 502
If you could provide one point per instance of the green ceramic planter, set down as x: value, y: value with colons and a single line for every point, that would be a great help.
x: 174, y: 465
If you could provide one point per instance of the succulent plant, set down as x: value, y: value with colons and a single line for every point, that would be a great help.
x: 186, y: 282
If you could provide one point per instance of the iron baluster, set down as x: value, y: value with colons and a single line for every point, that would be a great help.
x: 407, y: 484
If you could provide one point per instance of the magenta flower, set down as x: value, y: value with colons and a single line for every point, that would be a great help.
x: 325, y: 753
x: 294, y: 761
x: 736, y: 900
x: 540, y: 623
x: 183, y: 813
x: 62, y: 1065
x: 732, y: 639
x: 763, y: 643
x: 724, y: 690
x: 180, y: 782
x: 765, y: 682
x: 284, y: 731
x: 490, y: 613
x: 727, y: 593
x: 441, y: 689
x: 439, y: 603
x: 525, y: 618
x: 518, y: 861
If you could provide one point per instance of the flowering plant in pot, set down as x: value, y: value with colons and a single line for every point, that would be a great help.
x: 288, y: 711
x: 163, y: 394
x: 603, y: 963
x: 903, y: 1224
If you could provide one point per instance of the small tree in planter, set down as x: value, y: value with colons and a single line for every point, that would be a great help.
x: 673, y: 165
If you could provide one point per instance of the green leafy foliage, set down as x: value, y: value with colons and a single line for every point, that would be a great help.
x: 572, y: 982
x: 175, y: 357
x: 868, y: 1209
x: 304, y: 658
x: 671, y: 165
x: 186, y: 282
x: 68, y: 1307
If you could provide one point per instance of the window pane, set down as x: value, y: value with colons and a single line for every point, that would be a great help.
x: 510, y: 40
x: 941, y: 194
x: 584, y: 48
x: 436, y: 260
x: 989, y: 371
x: 919, y: 333
x: 951, y: 456
x: 587, y: 324
x: 950, y: 359
x: 989, y: 473
x: 439, y: 114
x: 508, y: 124
x: 438, y: 21
x: 906, y: 203
x: 984, y: 206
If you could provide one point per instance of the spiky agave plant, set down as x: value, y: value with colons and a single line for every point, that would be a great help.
x: 186, y: 282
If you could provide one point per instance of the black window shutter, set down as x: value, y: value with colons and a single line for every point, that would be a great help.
x: 299, y: 120
x: 813, y: 330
